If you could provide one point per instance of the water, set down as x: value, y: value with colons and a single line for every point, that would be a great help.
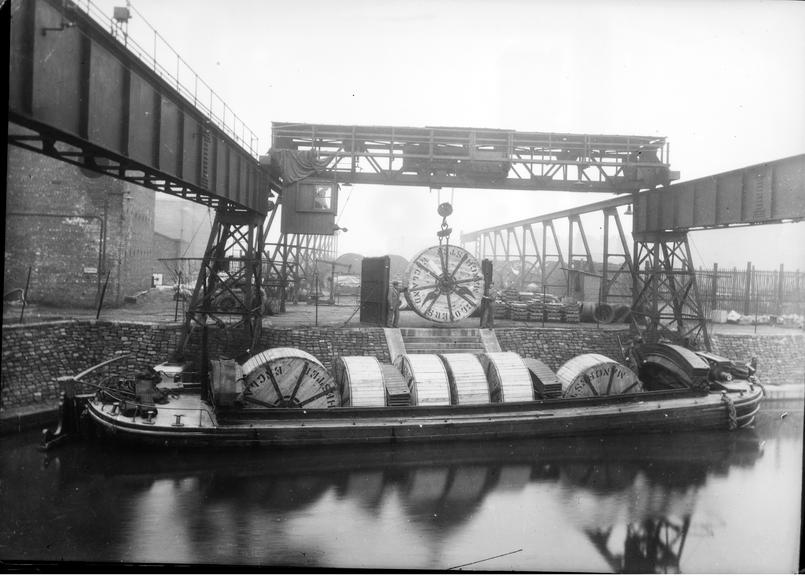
x: 713, y: 502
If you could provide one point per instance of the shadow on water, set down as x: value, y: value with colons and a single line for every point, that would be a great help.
x: 631, y: 498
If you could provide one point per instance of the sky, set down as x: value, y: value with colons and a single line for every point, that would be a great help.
x: 724, y: 81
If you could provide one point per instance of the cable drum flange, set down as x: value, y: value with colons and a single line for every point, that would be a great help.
x: 596, y: 375
x: 287, y: 378
x: 444, y: 283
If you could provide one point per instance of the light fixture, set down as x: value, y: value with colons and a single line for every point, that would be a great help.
x: 121, y: 13
x: 628, y: 210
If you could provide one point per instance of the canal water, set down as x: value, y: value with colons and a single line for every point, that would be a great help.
x: 714, y: 502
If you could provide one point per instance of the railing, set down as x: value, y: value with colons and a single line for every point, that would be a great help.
x: 184, y: 79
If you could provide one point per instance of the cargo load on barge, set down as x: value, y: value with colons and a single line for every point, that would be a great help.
x: 286, y: 397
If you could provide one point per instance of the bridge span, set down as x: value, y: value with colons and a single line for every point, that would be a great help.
x: 79, y: 95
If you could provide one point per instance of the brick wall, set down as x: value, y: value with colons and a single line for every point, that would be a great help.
x: 34, y: 355
x: 71, y: 229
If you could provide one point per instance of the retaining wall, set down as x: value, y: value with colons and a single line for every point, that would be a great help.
x: 35, y: 355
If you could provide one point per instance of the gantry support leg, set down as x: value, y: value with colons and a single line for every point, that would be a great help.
x: 665, y: 296
x: 229, y: 283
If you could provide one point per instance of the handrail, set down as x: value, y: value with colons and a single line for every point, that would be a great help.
x: 201, y: 95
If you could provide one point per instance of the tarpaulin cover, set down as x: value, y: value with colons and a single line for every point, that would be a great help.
x: 294, y: 165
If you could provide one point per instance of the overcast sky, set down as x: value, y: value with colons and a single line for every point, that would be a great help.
x: 723, y: 80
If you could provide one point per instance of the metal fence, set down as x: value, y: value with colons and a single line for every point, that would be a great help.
x: 751, y: 292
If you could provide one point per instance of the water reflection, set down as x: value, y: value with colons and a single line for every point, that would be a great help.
x: 612, y: 504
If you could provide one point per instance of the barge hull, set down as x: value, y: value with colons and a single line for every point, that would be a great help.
x: 327, y: 427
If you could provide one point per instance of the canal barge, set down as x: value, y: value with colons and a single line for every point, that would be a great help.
x: 286, y: 397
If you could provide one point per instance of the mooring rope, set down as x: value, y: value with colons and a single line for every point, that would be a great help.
x: 731, y: 414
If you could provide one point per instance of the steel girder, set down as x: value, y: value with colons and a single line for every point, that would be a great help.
x: 77, y: 94
x: 768, y: 193
x: 480, y: 158
x: 534, y: 245
x: 229, y: 283
x: 666, y: 301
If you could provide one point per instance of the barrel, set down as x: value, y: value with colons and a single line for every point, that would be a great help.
x: 287, y: 378
x: 508, y: 377
x: 596, y: 375
x: 359, y: 379
x: 426, y: 377
x: 467, y: 379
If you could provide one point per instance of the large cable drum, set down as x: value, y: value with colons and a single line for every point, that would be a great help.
x: 596, y: 375
x: 359, y: 380
x: 287, y: 378
x: 426, y: 378
x: 444, y: 283
x: 467, y: 379
x: 508, y: 377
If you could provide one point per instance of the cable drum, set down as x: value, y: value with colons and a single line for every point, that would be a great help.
x: 287, y: 378
x: 604, y: 313
x: 426, y: 378
x: 596, y: 375
x: 508, y: 377
x: 444, y: 283
x: 359, y: 380
x: 467, y: 379
x: 588, y: 311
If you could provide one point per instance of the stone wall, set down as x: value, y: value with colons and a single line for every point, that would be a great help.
x: 35, y: 355
x: 555, y: 346
x: 781, y: 359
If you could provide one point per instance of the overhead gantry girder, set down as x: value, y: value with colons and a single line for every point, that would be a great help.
x: 480, y: 157
x: 539, y: 253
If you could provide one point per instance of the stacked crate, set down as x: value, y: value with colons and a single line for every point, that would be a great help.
x: 501, y: 310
